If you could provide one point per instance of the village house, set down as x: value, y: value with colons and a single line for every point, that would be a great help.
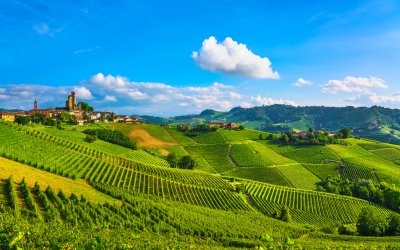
x: 232, y: 125
x: 7, y: 117
x: 216, y: 124
x: 300, y: 134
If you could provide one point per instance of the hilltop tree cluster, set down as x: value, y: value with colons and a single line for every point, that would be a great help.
x: 311, y: 137
x: 112, y: 136
x: 383, y: 194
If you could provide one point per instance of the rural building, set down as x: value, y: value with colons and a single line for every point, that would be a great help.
x: 216, y: 124
x: 232, y: 125
x: 7, y: 117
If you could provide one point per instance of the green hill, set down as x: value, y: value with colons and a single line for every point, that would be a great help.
x: 378, y: 123
x: 130, y: 198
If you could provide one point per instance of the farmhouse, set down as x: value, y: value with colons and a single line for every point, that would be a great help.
x: 232, y: 125
x: 216, y: 124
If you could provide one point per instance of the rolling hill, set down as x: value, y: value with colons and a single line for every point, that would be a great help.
x: 378, y: 123
x: 132, y: 198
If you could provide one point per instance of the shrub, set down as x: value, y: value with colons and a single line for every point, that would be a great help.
x: 348, y: 229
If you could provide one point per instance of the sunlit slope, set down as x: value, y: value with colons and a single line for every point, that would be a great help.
x: 75, y: 161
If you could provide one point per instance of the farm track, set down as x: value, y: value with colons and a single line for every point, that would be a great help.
x: 173, y: 139
x: 230, y: 156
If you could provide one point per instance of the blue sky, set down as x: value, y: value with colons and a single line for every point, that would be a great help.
x: 179, y: 57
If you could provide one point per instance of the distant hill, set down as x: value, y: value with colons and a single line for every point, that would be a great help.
x: 374, y: 122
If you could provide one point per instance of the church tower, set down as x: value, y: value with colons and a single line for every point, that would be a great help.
x: 35, y: 105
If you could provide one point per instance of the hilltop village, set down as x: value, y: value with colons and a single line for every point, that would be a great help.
x: 74, y: 113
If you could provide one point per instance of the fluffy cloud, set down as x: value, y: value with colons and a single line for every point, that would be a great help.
x: 373, y: 98
x: 83, y: 93
x: 301, y: 82
x: 351, y: 84
x: 119, y: 94
x: 232, y: 58
x: 261, y: 101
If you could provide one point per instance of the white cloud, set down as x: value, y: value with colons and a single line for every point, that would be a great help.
x: 233, y: 58
x: 373, y: 98
x: 119, y: 94
x: 41, y: 28
x: 301, y: 82
x: 81, y: 51
x: 260, y: 101
x: 83, y: 93
x: 110, y: 98
x: 351, y: 84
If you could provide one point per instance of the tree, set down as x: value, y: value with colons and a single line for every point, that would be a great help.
x: 38, y: 118
x: 260, y: 136
x: 346, y: 132
x: 90, y: 138
x: 371, y: 223
x: 23, y: 120
x: 172, y: 159
x: 186, y: 162
x: 284, y: 138
x: 394, y: 225
x: 85, y: 106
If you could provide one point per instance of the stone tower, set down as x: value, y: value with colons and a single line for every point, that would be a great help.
x: 35, y: 107
x: 71, y: 102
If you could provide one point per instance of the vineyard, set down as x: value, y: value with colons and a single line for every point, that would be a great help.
x: 218, y: 159
x: 242, y: 135
x: 298, y: 176
x: 210, y: 138
x: 76, y: 161
x: 353, y: 172
x: 262, y: 174
x: 309, y: 207
x: 304, y: 154
x: 245, y: 156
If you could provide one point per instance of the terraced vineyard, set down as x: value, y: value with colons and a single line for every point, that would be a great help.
x: 245, y: 156
x: 309, y: 207
x: 263, y: 174
x: 146, y: 158
x: 80, y: 162
x: 210, y: 138
x: 218, y: 159
x: 76, y: 161
x: 298, y: 176
x: 353, y: 172
x: 304, y: 154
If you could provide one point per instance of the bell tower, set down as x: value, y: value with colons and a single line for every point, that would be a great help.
x: 35, y: 105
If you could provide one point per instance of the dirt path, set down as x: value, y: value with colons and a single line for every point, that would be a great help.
x: 251, y: 202
x: 230, y: 157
